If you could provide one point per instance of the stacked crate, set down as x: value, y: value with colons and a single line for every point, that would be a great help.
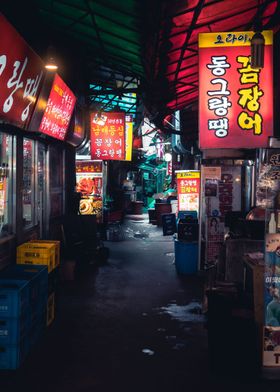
x: 37, y: 253
x: 44, y: 252
x: 23, y: 301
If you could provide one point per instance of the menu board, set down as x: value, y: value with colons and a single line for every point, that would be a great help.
x: 107, y: 132
x: 89, y: 184
x: 188, y: 188
x: 58, y: 112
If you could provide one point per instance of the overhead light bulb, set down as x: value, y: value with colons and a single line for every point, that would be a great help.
x: 167, y: 157
x: 51, y: 65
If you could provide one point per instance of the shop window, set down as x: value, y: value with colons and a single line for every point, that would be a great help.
x: 28, y: 194
x: 6, y: 149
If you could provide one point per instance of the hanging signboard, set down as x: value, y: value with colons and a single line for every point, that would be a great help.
x: 58, y: 110
x: 188, y: 189
x: 21, y: 72
x: 76, y: 130
x: 235, y: 100
x: 89, y: 183
x: 107, y: 135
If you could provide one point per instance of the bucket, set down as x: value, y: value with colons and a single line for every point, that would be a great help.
x: 186, y: 257
x: 137, y: 207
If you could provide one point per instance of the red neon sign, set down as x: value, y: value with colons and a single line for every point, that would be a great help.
x: 107, y: 132
x: 58, y: 111
x: 21, y: 71
x: 235, y: 100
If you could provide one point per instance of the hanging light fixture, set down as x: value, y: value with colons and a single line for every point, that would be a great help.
x: 257, y: 50
x: 257, y: 42
x: 51, y: 65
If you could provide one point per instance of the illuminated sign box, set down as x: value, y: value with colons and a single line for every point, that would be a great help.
x: 235, y: 100
x: 107, y: 138
x: 58, y: 111
x: 188, y: 190
x: 21, y: 75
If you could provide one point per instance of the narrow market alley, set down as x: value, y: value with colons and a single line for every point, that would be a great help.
x: 132, y: 324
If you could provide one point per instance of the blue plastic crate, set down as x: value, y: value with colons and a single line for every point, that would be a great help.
x: 186, y: 257
x: 12, y: 330
x: 14, y: 297
x: 183, y: 214
x: 13, y: 355
x: 37, y: 275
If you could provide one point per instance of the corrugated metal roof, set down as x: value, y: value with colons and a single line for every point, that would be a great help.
x: 151, y: 40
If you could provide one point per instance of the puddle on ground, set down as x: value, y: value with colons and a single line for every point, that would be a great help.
x: 139, y: 234
x: 184, y: 313
x: 170, y: 254
x: 148, y: 351
x: 138, y: 221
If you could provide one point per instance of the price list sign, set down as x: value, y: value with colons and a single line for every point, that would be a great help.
x: 107, y: 132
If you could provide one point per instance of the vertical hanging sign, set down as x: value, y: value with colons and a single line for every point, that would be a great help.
x: 59, y: 109
x: 235, y: 100
x: 107, y: 136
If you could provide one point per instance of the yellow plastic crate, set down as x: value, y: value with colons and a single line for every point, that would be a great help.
x: 50, y: 309
x: 35, y: 253
x: 57, y: 249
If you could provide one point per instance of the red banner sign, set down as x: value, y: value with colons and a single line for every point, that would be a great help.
x: 89, y: 166
x: 58, y: 111
x: 21, y: 72
x: 235, y: 100
x: 107, y: 136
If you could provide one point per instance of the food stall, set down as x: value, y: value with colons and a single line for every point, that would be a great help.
x: 235, y: 124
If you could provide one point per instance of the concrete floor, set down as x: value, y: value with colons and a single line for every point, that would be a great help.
x: 132, y: 324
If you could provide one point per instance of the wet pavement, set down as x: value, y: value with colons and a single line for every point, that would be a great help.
x: 132, y: 324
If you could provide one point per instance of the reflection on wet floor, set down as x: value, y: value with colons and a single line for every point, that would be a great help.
x: 191, y: 312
